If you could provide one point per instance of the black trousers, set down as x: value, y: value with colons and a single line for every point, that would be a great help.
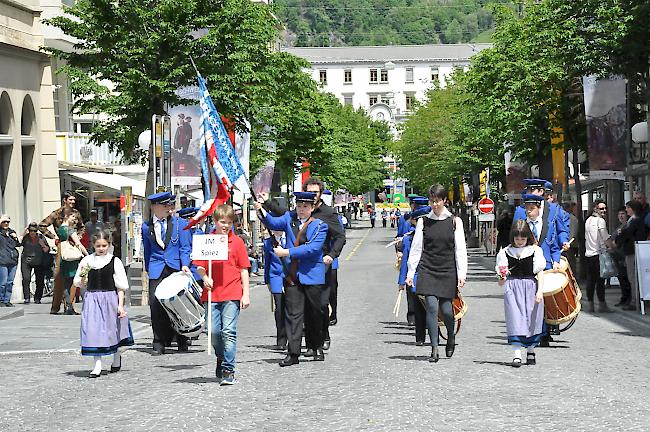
x: 163, y: 332
x: 383, y: 223
x: 594, y: 281
x: 26, y: 271
x: 626, y: 288
x: 333, y: 284
x: 280, y: 319
x: 420, y: 314
x: 304, y: 306
x: 411, y: 301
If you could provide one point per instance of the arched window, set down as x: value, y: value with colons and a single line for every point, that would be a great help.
x: 27, y: 118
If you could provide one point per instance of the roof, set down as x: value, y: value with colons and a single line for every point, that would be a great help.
x: 395, y: 53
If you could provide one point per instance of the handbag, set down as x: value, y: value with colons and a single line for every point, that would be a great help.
x: 69, y: 252
x: 607, y: 265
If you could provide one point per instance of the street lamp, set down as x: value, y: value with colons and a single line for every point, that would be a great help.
x: 144, y: 140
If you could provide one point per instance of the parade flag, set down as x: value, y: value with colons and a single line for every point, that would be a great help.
x: 223, y: 164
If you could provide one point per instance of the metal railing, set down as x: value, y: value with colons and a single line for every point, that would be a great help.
x: 76, y: 148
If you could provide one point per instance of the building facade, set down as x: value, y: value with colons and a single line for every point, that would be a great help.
x: 29, y: 179
x: 386, y: 81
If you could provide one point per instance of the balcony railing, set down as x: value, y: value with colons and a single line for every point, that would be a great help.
x: 76, y: 148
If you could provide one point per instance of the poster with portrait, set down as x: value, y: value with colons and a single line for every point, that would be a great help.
x: 605, y: 110
x: 516, y: 171
x: 186, y: 140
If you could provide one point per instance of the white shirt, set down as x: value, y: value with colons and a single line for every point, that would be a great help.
x: 595, y: 235
x: 96, y: 262
x: 459, y: 240
x: 539, y: 261
x: 157, y: 229
x: 538, y: 225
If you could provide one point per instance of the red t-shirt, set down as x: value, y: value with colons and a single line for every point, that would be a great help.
x: 226, y: 275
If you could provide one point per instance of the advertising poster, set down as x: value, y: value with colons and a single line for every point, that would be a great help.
x: 516, y: 172
x: 186, y: 141
x: 606, y: 116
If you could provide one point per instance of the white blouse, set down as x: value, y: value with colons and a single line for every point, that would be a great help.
x: 459, y: 239
x: 96, y: 262
x: 539, y: 261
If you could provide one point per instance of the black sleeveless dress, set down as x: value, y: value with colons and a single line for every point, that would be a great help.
x: 437, y: 268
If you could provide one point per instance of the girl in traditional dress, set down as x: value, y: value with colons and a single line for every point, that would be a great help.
x: 104, y: 324
x: 516, y: 268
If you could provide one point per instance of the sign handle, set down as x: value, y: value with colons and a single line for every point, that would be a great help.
x: 210, y: 307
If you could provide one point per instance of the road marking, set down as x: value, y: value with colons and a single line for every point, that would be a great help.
x: 353, y: 251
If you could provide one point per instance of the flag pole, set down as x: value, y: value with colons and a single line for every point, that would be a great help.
x: 210, y: 307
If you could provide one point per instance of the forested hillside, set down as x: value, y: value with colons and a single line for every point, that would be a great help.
x: 385, y: 22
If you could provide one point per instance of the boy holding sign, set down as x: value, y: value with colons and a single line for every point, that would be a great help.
x: 230, y: 293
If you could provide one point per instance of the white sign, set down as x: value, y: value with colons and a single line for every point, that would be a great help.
x: 486, y: 217
x: 642, y: 256
x: 210, y: 247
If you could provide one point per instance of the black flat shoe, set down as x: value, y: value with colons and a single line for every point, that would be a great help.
x: 158, y: 349
x: 289, y: 360
x: 419, y: 343
x: 326, y: 345
x: 309, y: 353
x: 333, y: 322
x: 516, y: 362
x: 450, y: 347
x: 530, y: 359
x: 92, y: 375
x: 434, y: 357
x: 116, y: 368
x: 319, y: 355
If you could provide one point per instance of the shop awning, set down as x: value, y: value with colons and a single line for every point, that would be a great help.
x: 111, y: 182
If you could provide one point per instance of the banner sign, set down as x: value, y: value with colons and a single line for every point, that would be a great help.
x: 210, y: 247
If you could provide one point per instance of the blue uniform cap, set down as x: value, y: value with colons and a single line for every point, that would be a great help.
x: 532, y: 199
x: 413, y: 198
x: 161, y: 198
x: 548, y: 186
x: 535, y: 183
x: 305, y: 196
x: 188, y: 212
x: 420, y: 201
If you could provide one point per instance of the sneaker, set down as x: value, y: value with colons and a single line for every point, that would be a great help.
x: 228, y: 379
x: 26, y: 302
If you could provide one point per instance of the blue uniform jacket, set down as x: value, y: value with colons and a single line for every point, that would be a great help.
x: 177, y: 249
x: 273, y: 270
x: 403, y: 268
x: 402, y: 226
x: 553, y: 231
x: 311, y: 269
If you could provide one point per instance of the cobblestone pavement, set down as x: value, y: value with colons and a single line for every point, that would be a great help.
x: 374, y: 378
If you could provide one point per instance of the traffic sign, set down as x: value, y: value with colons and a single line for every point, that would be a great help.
x: 486, y: 206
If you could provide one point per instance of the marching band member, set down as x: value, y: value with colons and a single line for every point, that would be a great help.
x: 516, y: 266
x: 305, y: 284
x: 167, y: 248
x: 419, y: 311
x: 274, y: 277
x: 439, y: 255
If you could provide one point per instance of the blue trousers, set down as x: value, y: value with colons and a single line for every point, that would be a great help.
x: 224, y: 332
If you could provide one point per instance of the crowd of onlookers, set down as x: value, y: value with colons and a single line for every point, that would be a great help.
x: 603, y: 252
x: 35, y: 250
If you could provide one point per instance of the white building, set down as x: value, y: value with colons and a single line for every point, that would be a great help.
x: 385, y: 80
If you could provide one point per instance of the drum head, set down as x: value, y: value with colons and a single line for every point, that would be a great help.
x: 554, y: 282
x: 172, y: 285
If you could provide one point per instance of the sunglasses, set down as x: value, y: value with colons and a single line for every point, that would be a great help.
x: 5, y: 221
x: 33, y: 230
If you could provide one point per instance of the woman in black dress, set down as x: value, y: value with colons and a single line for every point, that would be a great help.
x: 439, y: 254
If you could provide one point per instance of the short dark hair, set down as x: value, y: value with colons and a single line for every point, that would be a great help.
x: 620, y: 209
x: 438, y: 191
x: 635, y: 206
x: 101, y: 234
x: 314, y: 181
x: 67, y: 194
x: 520, y: 228
x: 598, y: 202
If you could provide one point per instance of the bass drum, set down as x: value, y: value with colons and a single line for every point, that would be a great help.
x: 180, y: 296
x: 561, y: 297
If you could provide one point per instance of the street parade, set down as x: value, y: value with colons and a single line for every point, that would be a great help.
x: 271, y: 215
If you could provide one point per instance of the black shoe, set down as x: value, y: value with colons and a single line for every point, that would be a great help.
x: 92, y: 375
x: 289, y: 360
x: 450, y: 347
x: 544, y: 342
x: 411, y: 323
x: 26, y: 302
x: 9, y: 304
x: 319, y: 355
x: 158, y: 349
x: 419, y: 343
x: 516, y: 362
x: 37, y: 302
x: 309, y: 353
x: 530, y: 359
x: 326, y: 345
x: 333, y: 322
x: 54, y: 312
x: 434, y: 357
x: 115, y: 369
x: 218, y: 371
x: 183, y: 347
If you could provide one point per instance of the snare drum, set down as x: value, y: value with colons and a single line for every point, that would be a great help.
x: 561, y: 296
x: 180, y: 296
x: 458, y: 305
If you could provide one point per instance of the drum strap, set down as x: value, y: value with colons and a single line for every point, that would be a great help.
x: 291, y: 276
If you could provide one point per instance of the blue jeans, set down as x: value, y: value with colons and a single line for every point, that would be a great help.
x: 224, y: 332
x: 7, y: 275
x: 254, y: 264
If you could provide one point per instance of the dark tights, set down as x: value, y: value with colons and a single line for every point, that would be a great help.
x: 432, y: 317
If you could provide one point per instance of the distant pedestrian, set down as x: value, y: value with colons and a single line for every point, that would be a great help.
x: 91, y: 226
x: 8, y: 260
x: 68, y: 268
x: 517, y: 265
x: 373, y: 216
x: 595, y: 237
x: 384, y: 218
x: 634, y: 231
x: 104, y: 323
x: 34, y: 255
x: 619, y: 259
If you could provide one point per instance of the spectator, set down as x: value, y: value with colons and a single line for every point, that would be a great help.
x: 504, y: 224
x: 645, y: 208
x: 595, y: 237
x: 68, y: 268
x: 384, y: 218
x: 8, y: 260
x: 619, y: 259
x: 635, y: 230
x: 35, y: 249
x: 373, y: 216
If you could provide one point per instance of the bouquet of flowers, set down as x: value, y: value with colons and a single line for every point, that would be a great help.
x: 84, y: 271
x: 503, y: 272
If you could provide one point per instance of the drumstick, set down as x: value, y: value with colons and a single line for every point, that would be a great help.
x: 571, y: 241
x: 396, y: 303
x: 272, y: 302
